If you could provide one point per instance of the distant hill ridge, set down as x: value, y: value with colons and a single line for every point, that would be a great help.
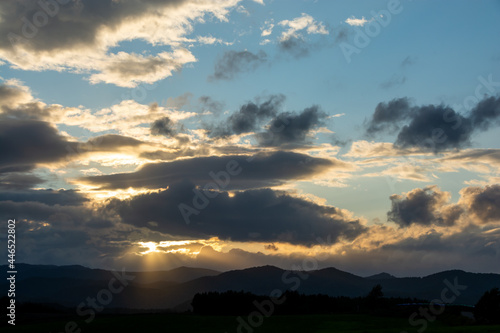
x: 70, y: 285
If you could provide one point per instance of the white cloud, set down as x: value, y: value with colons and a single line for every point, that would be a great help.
x: 304, y: 22
x: 267, y: 29
x: 128, y: 69
x: 78, y: 39
x: 241, y: 9
x: 358, y: 22
x: 210, y: 40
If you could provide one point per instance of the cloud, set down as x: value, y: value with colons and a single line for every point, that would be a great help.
x: 210, y: 40
x: 18, y: 181
x: 304, y: 23
x: 483, y: 203
x: 206, y: 103
x: 267, y: 28
x: 295, y: 46
x: 388, y: 115
x: 427, y: 206
x: 179, y: 101
x: 234, y: 62
x: 109, y: 142
x: 163, y: 126
x: 25, y: 143
x: 128, y: 69
x: 253, y: 215
x: 17, y: 102
x: 486, y: 113
x: 128, y: 118
x: 291, y: 129
x: 433, y: 127
x: 485, y: 161
x: 271, y: 247
x: 78, y: 36
x: 353, y: 21
x: 260, y: 170
x: 249, y: 117
x: 468, y: 249
x: 365, y: 149
x: 48, y: 197
x: 293, y: 41
x: 13, y: 93
x: 59, y: 215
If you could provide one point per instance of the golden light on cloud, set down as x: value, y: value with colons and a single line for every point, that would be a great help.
x: 184, y: 247
x: 150, y: 246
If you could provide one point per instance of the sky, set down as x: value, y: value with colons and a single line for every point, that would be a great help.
x: 153, y: 134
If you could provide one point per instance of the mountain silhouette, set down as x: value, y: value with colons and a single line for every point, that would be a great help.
x: 72, y: 285
x: 381, y: 276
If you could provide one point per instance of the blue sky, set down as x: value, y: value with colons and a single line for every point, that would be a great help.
x: 157, y: 85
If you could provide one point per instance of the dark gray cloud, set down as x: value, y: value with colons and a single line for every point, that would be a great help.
x: 483, y: 203
x: 234, y: 62
x: 341, y: 34
x: 486, y: 113
x: 249, y: 117
x: 295, y: 46
x: 253, y: 215
x: 388, y: 115
x: 25, y: 143
x: 163, y: 126
x: 48, y: 197
x: 18, y: 181
x: 433, y: 127
x: 290, y: 128
x: 261, y: 170
x: 206, y: 103
x: 425, y: 206
x: 467, y: 243
x: 76, y: 24
x: 56, y: 214
x: 34, y: 34
x: 110, y: 142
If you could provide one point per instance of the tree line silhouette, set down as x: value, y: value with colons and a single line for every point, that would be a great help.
x: 238, y: 303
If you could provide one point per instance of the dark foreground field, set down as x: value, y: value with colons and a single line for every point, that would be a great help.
x: 152, y: 323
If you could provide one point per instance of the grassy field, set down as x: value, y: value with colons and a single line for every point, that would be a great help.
x: 153, y: 323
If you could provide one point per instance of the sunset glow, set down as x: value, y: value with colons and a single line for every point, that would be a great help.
x: 243, y: 133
